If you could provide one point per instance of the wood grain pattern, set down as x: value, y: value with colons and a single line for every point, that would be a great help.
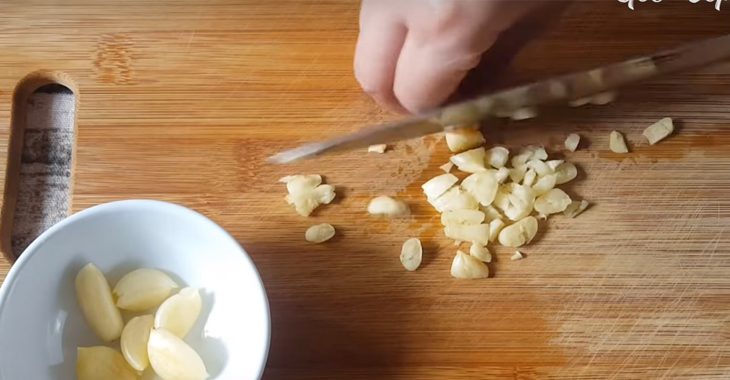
x: 183, y: 101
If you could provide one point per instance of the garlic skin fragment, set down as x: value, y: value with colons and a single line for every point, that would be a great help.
x: 480, y: 252
x: 387, y: 206
x: 306, y: 192
x: 143, y: 289
x: 575, y: 208
x: 172, y: 358
x: 437, y: 186
x: 497, y: 157
x: 552, y: 202
x: 455, y: 199
x: 475, y: 233
x: 468, y: 267
x: 572, y: 142
x: 565, y: 172
x: 659, y: 130
x: 483, y: 186
x: 377, y: 148
x: 465, y: 138
x: 134, y: 341
x: 411, y: 254
x: 179, y: 312
x: 517, y: 256
x: 616, y: 142
x: 97, y: 303
x: 519, y: 233
x: 319, y: 233
x: 471, y: 161
x: 462, y: 217
x: 101, y: 362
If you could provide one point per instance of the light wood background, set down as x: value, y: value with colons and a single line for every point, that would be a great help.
x: 182, y: 101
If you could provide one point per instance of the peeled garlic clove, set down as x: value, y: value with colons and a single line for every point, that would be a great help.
x: 659, y: 130
x: 565, y: 172
x: 468, y: 267
x: 575, y: 208
x: 501, y: 175
x: 134, y: 341
x: 461, y: 139
x: 471, y: 161
x: 476, y: 233
x: 572, y: 141
x: 519, y: 233
x: 462, y: 217
x: 447, y: 167
x: 387, y: 206
x: 616, y: 142
x: 437, y: 186
x: 97, y: 304
x: 482, y: 186
x: 411, y: 254
x: 517, y: 256
x: 480, y: 252
x: 552, y: 202
x: 530, y: 177
x: 101, y: 362
x: 143, y: 289
x: 455, y: 199
x: 495, y: 226
x: 172, y: 358
x: 544, y: 184
x: 179, y: 312
x: 497, y: 157
x: 377, y: 148
x: 319, y: 233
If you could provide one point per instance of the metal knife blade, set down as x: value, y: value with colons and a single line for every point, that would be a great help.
x: 505, y: 103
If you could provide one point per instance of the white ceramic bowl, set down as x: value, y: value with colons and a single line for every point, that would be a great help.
x: 41, y: 324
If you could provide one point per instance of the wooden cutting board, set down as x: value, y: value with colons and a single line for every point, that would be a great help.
x: 182, y: 102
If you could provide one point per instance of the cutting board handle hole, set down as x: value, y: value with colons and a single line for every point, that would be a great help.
x: 41, y: 157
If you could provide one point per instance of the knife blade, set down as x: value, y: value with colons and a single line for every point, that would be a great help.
x: 526, y: 97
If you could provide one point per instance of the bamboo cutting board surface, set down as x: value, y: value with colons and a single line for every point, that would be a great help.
x: 183, y: 101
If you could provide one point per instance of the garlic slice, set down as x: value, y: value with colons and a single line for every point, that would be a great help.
x: 497, y: 157
x: 616, y: 143
x: 519, y: 233
x: 143, y: 289
x: 659, y: 130
x: 517, y: 256
x: 437, y: 186
x: 455, y: 199
x: 306, y: 192
x: 97, y: 304
x: 495, y: 226
x: 447, y: 167
x: 565, y: 172
x: 552, y: 202
x: 172, y: 358
x: 468, y: 267
x: 387, y: 206
x: 465, y: 138
x: 411, y: 254
x: 462, y: 217
x: 134, y: 341
x: 471, y: 161
x: 482, y: 186
x: 480, y: 252
x: 544, y: 184
x: 475, y: 233
x: 575, y: 208
x: 101, y: 362
x: 572, y: 142
x: 319, y: 233
x: 179, y: 312
x: 377, y: 148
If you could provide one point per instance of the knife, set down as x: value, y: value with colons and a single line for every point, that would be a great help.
x: 522, y: 100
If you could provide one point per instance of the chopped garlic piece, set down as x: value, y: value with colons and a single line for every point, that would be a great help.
x: 491, y: 213
x: 319, y: 233
x: 455, y: 199
x: 517, y: 173
x: 471, y: 161
x: 468, y: 267
x: 461, y: 139
x: 565, y: 172
x: 519, y: 233
x: 502, y: 174
x: 538, y: 153
x: 447, y: 167
x: 97, y: 303
x: 572, y: 141
x: 143, y: 289
x: 306, y: 192
x: 378, y: 148
x: 411, y: 254
x: 437, y: 186
x: 552, y: 202
x: 462, y: 217
x: 524, y: 114
x: 497, y: 157
x: 575, y: 208
x: 530, y: 177
x: 659, y: 130
x: 544, y: 184
x: 517, y: 256
x: 480, y: 252
x: 482, y: 186
x: 540, y: 167
x: 553, y: 165
x: 521, y: 201
x: 616, y: 143
x: 580, y: 102
x: 604, y: 98
x: 475, y: 233
x: 387, y: 206
x: 495, y: 226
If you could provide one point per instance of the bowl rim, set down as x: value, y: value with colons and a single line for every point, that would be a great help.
x: 17, y: 266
